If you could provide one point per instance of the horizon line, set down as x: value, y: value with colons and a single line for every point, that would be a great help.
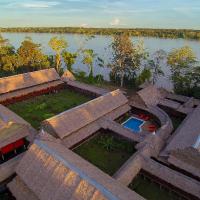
x: 124, y: 28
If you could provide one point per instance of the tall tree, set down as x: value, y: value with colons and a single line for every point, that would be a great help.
x: 126, y: 56
x: 31, y: 57
x: 69, y: 59
x: 8, y: 59
x: 89, y: 57
x: 58, y: 45
x: 155, y: 64
x: 183, y: 64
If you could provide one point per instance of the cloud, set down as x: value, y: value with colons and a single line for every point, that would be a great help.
x: 115, y: 22
x: 33, y: 4
x: 84, y: 25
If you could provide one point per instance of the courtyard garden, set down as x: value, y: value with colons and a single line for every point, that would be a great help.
x: 106, y: 150
x: 37, y: 109
x: 151, y: 190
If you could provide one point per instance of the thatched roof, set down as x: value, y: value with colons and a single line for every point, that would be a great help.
x: 178, y: 180
x: 91, y: 89
x: 72, y: 120
x: 21, y: 81
x: 150, y: 95
x: 68, y: 75
x: 7, y: 115
x: 13, y: 127
x: 12, y: 132
x: 188, y: 155
x: 50, y: 171
x: 29, y: 90
x: 2, y: 123
x: 187, y: 134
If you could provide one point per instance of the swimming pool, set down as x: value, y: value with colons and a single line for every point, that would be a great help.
x: 134, y: 124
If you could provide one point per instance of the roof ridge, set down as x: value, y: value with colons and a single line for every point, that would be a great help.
x: 72, y: 167
x: 82, y: 105
x: 27, y: 73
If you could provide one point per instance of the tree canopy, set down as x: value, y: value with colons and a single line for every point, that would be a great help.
x: 69, y: 59
x: 58, y: 45
x: 30, y: 56
x: 185, y: 70
x: 126, y: 56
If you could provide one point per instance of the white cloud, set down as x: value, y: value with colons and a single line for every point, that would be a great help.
x: 115, y: 22
x: 84, y: 25
x: 33, y: 4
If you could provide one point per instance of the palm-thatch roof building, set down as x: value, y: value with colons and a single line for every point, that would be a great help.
x: 51, y: 171
x: 24, y: 84
x: 69, y: 78
x: 15, y: 135
x: 187, y: 135
x: 84, y: 119
x: 148, y: 96
x: 183, y: 148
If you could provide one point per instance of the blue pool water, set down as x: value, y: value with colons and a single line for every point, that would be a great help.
x: 133, y: 124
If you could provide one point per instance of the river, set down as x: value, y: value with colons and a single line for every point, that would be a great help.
x: 100, y: 45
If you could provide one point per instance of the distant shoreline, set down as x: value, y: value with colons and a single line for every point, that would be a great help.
x: 142, y: 32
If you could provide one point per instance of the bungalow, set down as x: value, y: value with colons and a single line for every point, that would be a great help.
x: 183, y: 148
x: 76, y: 124
x: 18, y: 87
x: 15, y: 135
x: 51, y: 171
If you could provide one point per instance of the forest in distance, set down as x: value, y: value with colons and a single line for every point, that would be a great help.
x: 140, y: 32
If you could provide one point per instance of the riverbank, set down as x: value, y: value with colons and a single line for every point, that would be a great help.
x: 141, y: 32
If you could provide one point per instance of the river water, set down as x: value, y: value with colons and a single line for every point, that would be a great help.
x: 100, y: 45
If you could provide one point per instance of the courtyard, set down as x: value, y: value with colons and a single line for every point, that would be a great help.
x: 37, y: 109
x: 151, y: 190
x: 106, y: 150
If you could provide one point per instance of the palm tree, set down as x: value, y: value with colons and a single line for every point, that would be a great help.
x: 58, y: 45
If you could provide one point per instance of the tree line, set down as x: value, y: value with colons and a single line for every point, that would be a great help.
x: 141, y: 32
x: 130, y: 63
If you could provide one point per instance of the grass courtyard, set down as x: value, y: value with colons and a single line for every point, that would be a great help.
x: 151, y: 190
x: 37, y: 109
x: 106, y: 151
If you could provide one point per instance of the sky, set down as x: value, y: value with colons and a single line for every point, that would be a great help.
x: 101, y: 13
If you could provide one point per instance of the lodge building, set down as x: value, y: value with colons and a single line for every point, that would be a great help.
x: 47, y: 167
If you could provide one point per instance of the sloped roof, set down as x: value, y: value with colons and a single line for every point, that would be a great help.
x: 68, y: 75
x: 21, y: 81
x: 86, y: 87
x: 187, y: 134
x: 7, y: 115
x: 51, y: 171
x: 12, y: 127
x: 2, y: 123
x: 188, y: 155
x: 72, y: 120
x: 25, y: 91
x: 150, y: 95
x: 12, y: 132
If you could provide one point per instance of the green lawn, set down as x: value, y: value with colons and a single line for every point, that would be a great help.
x: 106, y: 152
x: 43, y: 107
x: 151, y: 191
